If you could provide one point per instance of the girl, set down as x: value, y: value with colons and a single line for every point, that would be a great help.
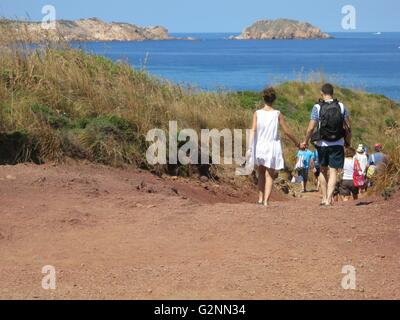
x: 362, y: 159
x: 265, y: 144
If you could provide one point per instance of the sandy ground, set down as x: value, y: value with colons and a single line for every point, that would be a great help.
x: 125, y: 234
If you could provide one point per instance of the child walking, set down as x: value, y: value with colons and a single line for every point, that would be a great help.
x: 265, y: 144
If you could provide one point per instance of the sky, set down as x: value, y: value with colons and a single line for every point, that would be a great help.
x: 215, y: 15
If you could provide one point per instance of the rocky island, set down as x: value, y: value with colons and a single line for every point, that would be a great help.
x: 92, y: 29
x: 281, y: 29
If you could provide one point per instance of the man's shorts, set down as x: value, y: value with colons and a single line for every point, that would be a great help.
x: 332, y: 157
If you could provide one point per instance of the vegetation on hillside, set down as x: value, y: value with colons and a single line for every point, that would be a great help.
x: 68, y: 103
x: 58, y: 102
x: 371, y: 114
x: 387, y: 181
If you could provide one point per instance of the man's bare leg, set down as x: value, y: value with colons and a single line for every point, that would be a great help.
x: 331, y: 185
x: 323, y: 180
x: 318, y: 183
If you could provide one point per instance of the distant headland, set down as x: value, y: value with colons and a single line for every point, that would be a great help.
x: 281, y: 29
x: 90, y: 30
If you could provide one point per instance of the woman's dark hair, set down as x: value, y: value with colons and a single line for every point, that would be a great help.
x: 349, y: 152
x: 327, y: 89
x: 269, y: 95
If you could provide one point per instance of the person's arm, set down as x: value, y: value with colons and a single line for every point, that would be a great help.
x: 311, y: 126
x: 310, y: 130
x: 287, y: 130
x: 347, y: 127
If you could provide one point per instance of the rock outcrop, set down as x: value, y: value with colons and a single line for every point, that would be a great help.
x: 281, y: 29
x: 92, y: 29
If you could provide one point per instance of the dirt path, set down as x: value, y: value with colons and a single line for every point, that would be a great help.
x: 119, y: 234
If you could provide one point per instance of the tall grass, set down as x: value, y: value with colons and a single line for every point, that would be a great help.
x: 65, y: 102
x: 76, y: 104
x: 387, y: 180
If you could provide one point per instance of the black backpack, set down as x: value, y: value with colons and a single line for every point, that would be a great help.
x: 331, y: 122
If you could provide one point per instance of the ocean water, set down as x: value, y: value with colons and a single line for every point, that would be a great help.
x: 366, y: 61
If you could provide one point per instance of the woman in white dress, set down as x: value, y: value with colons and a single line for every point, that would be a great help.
x: 265, y: 144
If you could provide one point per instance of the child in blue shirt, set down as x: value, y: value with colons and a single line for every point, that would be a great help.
x: 304, y: 159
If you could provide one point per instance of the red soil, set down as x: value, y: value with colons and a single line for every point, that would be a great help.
x: 125, y: 234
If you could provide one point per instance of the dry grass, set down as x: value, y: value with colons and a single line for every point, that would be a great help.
x: 387, y: 180
x: 66, y: 102
x: 73, y: 103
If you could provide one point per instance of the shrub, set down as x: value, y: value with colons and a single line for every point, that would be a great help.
x: 388, y: 179
x: 391, y: 122
x: 17, y: 147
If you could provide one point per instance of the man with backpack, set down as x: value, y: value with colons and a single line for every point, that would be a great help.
x: 332, y: 121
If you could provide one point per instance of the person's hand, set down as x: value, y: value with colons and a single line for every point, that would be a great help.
x: 303, y: 145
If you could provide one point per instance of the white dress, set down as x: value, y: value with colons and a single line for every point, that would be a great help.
x: 267, y: 148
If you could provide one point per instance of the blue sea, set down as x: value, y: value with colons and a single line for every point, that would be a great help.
x: 366, y: 61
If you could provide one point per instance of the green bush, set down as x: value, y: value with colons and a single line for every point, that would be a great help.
x: 56, y: 120
x: 106, y: 139
x: 391, y: 122
x: 249, y: 99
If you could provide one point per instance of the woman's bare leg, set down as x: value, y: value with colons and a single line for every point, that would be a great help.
x: 261, y: 183
x: 269, y: 181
